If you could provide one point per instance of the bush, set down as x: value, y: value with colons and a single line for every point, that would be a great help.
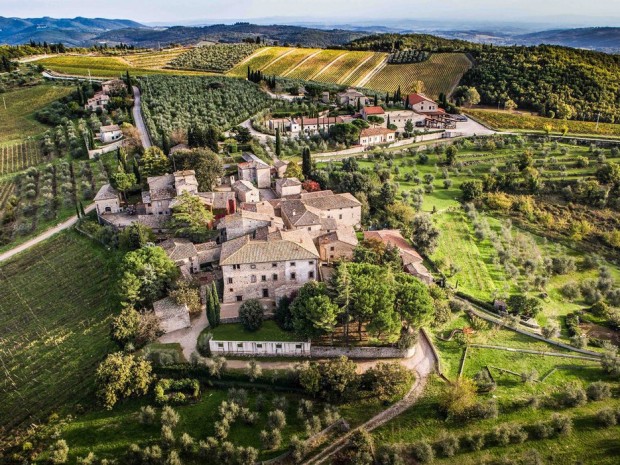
x: 542, y: 430
x: 171, y: 390
x: 387, y: 381
x: 169, y: 417
x: 562, y: 425
x: 271, y: 439
x: 167, y: 437
x: 251, y: 315
x: 598, y: 391
x: 276, y: 419
x: 447, y: 444
x: 473, y: 441
x: 422, y: 452
x: 59, y: 452
x: 147, y: 415
x: 607, y: 417
x: 573, y: 395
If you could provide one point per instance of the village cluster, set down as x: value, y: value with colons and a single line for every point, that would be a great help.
x: 419, y: 111
x: 272, y: 235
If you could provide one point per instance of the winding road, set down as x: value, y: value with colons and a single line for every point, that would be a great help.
x: 138, y: 118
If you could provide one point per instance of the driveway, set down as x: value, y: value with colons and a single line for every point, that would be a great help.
x: 145, y: 138
x: 471, y: 127
x: 44, y: 236
x: 263, y: 138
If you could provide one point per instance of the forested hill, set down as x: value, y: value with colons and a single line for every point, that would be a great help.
x: 558, y: 82
x: 391, y: 42
x: 596, y: 38
x: 292, y: 35
x: 70, y: 31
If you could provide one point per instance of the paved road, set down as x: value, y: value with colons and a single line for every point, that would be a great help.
x: 422, y: 364
x: 263, y: 138
x: 145, y: 138
x: 43, y: 236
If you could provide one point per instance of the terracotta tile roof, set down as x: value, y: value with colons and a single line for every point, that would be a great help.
x: 395, y: 238
x: 106, y: 192
x: 243, y: 251
x: 375, y: 132
x: 332, y: 202
x: 414, y: 99
x: 298, y: 214
x: 345, y: 235
x: 243, y: 186
x: 288, y: 182
x: 110, y: 128
x: 374, y: 110
x: 179, y: 249
x: 217, y: 200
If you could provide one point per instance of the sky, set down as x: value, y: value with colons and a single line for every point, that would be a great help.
x: 182, y: 11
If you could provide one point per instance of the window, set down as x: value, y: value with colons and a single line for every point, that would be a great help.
x: 265, y: 293
x: 230, y: 280
x: 292, y: 263
x: 293, y: 276
x: 311, y: 275
x: 220, y: 345
x: 278, y: 346
x: 309, y: 229
x: 274, y: 265
x: 253, y: 266
x: 239, y: 345
x: 311, y: 262
x: 239, y: 298
x: 298, y: 346
x: 331, y: 249
x: 275, y: 277
x: 340, y: 216
x: 263, y: 278
x: 236, y: 267
x: 230, y: 290
x: 253, y: 278
x: 259, y: 346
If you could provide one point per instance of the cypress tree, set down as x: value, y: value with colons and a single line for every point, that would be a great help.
x: 82, y: 212
x: 306, y: 164
x: 210, y: 307
x: 249, y: 74
x: 128, y: 81
x: 77, y: 210
x: 216, y: 302
x: 388, y: 121
x: 278, y: 143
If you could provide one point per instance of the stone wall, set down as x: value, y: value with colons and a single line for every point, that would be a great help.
x: 361, y: 352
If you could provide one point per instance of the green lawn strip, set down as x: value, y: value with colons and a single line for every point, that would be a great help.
x: 55, y: 311
x: 270, y: 331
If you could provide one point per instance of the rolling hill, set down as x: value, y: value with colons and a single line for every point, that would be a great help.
x: 77, y: 31
x: 606, y: 39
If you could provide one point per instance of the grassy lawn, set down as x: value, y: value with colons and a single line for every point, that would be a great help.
x: 270, y: 331
x: 55, y: 311
x: 587, y: 443
x: 17, y: 121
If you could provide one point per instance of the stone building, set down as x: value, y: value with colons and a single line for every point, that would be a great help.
x: 255, y: 171
x: 287, y: 187
x: 245, y: 222
x: 256, y: 269
x: 107, y: 200
x: 246, y: 192
x: 172, y: 315
x: 337, y: 245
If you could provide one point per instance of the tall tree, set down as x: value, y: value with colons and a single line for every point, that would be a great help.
x: 306, y: 163
x: 341, y: 288
x: 425, y: 235
x: 154, y: 163
x: 190, y: 217
x: 278, y: 143
x: 313, y: 312
x: 207, y: 165
x: 217, y: 305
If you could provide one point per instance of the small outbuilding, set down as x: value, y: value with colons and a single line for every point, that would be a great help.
x: 172, y: 315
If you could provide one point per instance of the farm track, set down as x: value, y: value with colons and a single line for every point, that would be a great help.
x: 348, y: 76
x: 272, y: 62
x: 326, y: 67
x: 362, y: 82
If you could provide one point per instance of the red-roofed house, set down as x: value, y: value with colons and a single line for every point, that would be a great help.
x: 372, y: 111
x: 420, y: 103
x: 374, y: 136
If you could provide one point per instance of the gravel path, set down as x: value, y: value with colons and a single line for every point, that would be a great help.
x: 422, y: 364
x: 139, y: 119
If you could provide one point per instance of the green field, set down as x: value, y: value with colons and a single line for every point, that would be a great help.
x: 441, y: 73
x: 55, y: 309
x: 17, y: 120
x: 504, y: 120
x: 270, y: 331
x: 112, y: 66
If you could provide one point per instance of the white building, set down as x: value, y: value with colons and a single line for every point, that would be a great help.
x: 420, y: 103
x: 375, y: 136
x: 352, y: 97
x: 108, y: 134
x: 260, y: 348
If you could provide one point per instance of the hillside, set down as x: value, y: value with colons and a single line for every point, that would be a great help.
x: 70, y: 31
x: 605, y: 39
x: 230, y: 33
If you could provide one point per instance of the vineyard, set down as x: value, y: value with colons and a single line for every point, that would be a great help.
x: 180, y: 102
x: 18, y: 157
x: 441, y: 73
x: 217, y: 58
x: 408, y: 56
x: 55, y: 310
x: 153, y: 60
x: 6, y: 190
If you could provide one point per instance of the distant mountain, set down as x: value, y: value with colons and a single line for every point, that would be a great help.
x: 230, y: 33
x: 605, y: 39
x: 73, y: 32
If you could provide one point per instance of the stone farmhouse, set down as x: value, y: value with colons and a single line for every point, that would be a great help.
x: 337, y: 245
x: 246, y: 192
x: 246, y: 222
x: 420, y: 103
x: 372, y: 111
x: 189, y: 257
x: 255, y: 171
x: 98, y: 102
x: 412, y: 260
x: 109, y: 134
x: 374, y: 136
x: 352, y: 97
x: 287, y: 187
x: 267, y: 269
x: 107, y: 200
x: 113, y: 86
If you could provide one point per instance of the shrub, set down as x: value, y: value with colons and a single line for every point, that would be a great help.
x: 170, y: 390
x: 280, y: 403
x: 271, y: 439
x: 501, y: 435
x: 167, y: 437
x: 473, y: 441
x: 598, y: 391
x: 187, y: 443
x: 542, y: 430
x: 276, y: 419
x: 607, y: 417
x: 299, y: 449
x: 571, y: 291
x: 147, y: 415
x: 550, y: 331
x: 573, y: 395
x: 251, y: 315
x: 484, y: 381
x: 59, y: 452
x: 562, y: 425
x: 422, y: 452
x: 387, y: 381
x: 447, y: 444
x: 169, y: 417
x: 222, y: 428
x: 238, y: 396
